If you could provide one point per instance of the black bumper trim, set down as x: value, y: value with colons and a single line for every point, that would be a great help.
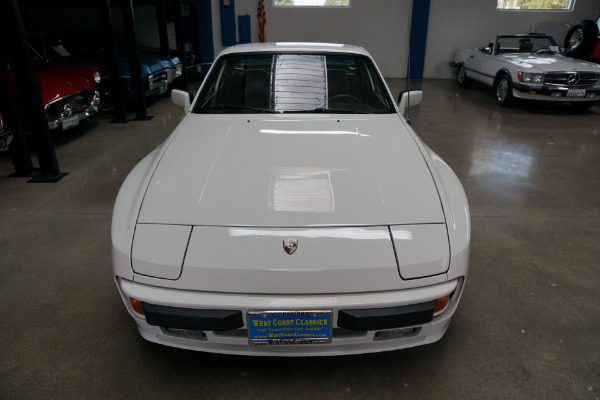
x: 189, y: 318
x: 386, y: 318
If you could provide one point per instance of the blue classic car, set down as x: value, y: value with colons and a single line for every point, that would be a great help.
x: 158, y: 72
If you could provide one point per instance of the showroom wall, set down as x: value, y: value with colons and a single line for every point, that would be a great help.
x: 382, y: 27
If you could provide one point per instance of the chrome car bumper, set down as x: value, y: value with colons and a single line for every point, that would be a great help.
x: 554, y: 93
x: 72, y: 120
x: 68, y: 119
x: 344, y: 340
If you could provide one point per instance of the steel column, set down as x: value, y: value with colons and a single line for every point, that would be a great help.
x: 19, y: 151
x: 162, y: 27
x: 112, y: 59
x: 30, y: 92
x: 179, y: 39
x: 134, y: 61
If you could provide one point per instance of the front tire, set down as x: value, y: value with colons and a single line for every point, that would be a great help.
x: 106, y: 99
x: 504, y: 91
x: 461, y: 77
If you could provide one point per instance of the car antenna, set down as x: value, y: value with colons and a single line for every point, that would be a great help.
x: 408, y: 76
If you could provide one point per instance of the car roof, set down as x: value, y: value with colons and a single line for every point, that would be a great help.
x: 291, y: 47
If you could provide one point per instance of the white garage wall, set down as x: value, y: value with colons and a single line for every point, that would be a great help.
x: 380, y: 26
x: 383, y: 26
x: 457, y: 24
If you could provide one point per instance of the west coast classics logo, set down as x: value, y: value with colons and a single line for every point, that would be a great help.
x: 290, y: 245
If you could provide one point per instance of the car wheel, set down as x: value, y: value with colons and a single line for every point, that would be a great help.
x: 582, y: 105
x: 461, y: 77
x: 581, y: 38
x: 504, y: 95
x: 106, y: 99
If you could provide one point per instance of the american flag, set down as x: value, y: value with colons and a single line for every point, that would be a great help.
x: 261, y: 20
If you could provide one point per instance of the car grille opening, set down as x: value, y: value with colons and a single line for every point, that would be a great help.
x: 571, y: 78
x: 396, y: 333
x: 70, y: 104
x: 185, y: 333
x: 157, y: 79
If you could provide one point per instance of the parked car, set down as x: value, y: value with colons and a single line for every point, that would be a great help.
x: 529, y: 67
x: 292, y: 212
x: 69, y: 94
x: 6, y: 134
x: 158, y: 72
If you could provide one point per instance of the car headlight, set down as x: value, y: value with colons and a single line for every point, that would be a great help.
x: 529, y: 77
x: 97, y: 77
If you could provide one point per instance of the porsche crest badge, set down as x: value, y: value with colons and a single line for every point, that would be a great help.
x: 290, y: 245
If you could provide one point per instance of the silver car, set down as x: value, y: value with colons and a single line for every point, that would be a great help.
x: 529, y: 67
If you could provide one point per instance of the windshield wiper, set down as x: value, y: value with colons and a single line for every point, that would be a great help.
x: 239, y: 108
x: 336, y: 111
x: 244, y: 108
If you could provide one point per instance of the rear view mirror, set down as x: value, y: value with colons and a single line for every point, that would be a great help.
x: 412, y: 98
x: 181, y: 98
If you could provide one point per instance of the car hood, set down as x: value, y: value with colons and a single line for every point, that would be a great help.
x: 549, y: 63
x: 56, y: 82
x: 291, y: 170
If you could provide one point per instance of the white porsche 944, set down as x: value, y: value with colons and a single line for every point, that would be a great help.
x: 529, y: 67
x: 293, y: 212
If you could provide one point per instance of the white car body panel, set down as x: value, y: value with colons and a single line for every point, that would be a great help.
x: 159, y: 250
x: 349, y: 171
x: 422, y: 250
x: 381, y: 223
x: 327, y: 260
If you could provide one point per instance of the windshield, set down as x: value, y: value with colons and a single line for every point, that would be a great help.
x: 523, y: 44
x: 276, y: 83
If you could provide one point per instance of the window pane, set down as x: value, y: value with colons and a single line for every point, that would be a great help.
x: 311, y: 3
x: 549, y: 5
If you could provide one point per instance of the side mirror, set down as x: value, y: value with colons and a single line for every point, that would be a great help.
x: 181, y: 98
x: 412, y: 98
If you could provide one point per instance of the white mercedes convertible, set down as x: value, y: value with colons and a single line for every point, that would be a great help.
x: 529, y: 67
x: 292, y: 212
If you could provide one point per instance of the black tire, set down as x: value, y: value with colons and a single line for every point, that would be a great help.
x: 461, y: 76
x: 581, y: 38
x: 504, y: 91
x: 106, y: 99
x: 582, y: 105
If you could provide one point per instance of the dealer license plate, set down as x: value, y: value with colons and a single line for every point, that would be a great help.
x: 576, y: 93
x: 289, y: 327
x: 70, y: 122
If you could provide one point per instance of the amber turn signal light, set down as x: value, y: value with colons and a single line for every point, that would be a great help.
x: 138, y: 306
x: 441, y: 303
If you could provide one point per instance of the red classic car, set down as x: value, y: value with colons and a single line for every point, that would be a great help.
x: 5, y: 135
x: 68, y: 92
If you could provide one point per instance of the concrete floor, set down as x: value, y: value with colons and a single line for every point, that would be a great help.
x: 528, y: 326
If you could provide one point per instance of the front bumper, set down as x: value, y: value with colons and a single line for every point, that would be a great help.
x: 554, y: 93
x: 344, y: 341
x: 67, y: 122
